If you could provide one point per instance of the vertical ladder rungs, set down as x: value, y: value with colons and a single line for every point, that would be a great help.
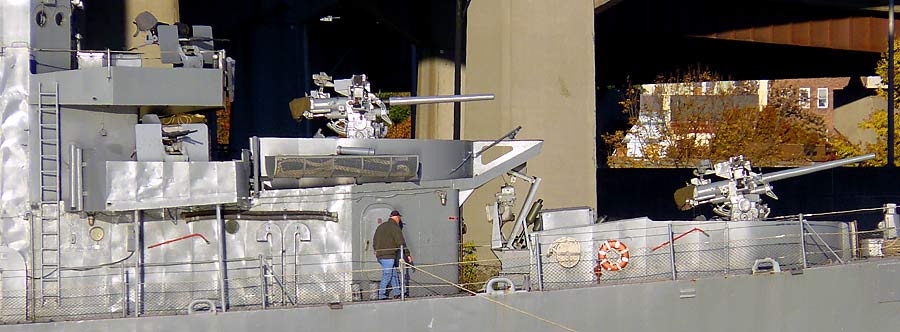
x: 49, y: 150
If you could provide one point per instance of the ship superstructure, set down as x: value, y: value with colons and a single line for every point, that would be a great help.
x: 109, y: 211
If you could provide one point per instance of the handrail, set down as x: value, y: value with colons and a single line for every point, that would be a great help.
x: 248, y: 284
x: 695, y: 229
x: 179, y: 239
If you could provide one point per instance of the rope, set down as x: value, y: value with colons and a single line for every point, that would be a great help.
x: 833, y: 213
x: 498, y: 302
x: 891, y: 247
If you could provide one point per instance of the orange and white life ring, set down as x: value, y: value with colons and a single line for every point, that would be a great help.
x: 622, y: 251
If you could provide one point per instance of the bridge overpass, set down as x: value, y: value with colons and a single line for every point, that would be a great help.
x: 856, y: 25
x: 752, y: 40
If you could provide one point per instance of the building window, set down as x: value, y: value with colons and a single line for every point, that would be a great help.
x: 822, y: 97
x: 804, y: 97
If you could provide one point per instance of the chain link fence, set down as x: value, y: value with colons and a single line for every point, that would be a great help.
x: 708, y: 254
x: 114, y: 292
x: 263, y: 283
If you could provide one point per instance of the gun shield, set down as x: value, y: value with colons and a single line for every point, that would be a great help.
x: 683, y: 197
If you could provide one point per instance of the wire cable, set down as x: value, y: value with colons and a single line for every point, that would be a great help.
x: 532, y: 315
x: 82, y: 268
x: 94, y: 267
x: 833, y: 213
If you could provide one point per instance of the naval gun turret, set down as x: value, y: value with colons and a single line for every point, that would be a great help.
x: 356, y: 112
x: 738, y: 197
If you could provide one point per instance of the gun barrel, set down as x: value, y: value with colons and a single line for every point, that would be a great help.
x: 400, y: 101
x: 794, y: 172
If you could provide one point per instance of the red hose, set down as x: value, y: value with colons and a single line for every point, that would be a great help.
x: 680, y: 236
x: 179, y: 239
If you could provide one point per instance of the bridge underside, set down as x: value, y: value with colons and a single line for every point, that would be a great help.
x: 752, y: 40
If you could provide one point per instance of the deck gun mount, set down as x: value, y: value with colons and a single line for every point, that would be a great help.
x: 738, y: 197
x: 356, y: 112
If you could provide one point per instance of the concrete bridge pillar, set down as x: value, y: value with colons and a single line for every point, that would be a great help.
x: 166, y: 11
x: 538, y: 58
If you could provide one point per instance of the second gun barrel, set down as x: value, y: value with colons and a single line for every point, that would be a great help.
x: 793, y: 172
x: 400, y: 101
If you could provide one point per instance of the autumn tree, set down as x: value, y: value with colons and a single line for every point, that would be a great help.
x: 877, y: 121
x: 692, y: 116
x: 400, y: 116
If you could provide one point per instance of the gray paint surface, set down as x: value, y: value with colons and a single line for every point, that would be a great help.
x: 137, y: 86
x: 437, y: 157
x: 49, y: 37
x: 833, y: 298
x: 144, y: 185
x: 104, y: 136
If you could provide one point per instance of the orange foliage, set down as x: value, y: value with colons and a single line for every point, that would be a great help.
x: 223, y: 124
x: 401, y: 130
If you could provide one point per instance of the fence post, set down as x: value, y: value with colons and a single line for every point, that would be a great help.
x: 854, y: 240
x: 263, y: 285
x: 29, y: 300
x: 539, y: 260
x: 672, y: 252
x: 803, y: 241
x: 138, y: 263
x: 402, y: 266
x: 125, y: 296
x: 223, y: 267
x: 727, y: 246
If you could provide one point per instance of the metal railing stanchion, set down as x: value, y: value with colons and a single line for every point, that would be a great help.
x: 727, y: 245
x: 854, y: 239
x: 802, y: 241
x: 223, y: 267
x: 125, y: 297
x: 108, y: 64
x: 402, y: 266
x: 672, y: 252
x: 263, y: 285
x: 138, y: 263
x: 539, y: 260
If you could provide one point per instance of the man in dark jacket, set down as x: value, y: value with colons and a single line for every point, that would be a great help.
x: 387, y: 242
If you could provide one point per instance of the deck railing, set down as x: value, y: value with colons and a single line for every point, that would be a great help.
x: 257, y: 283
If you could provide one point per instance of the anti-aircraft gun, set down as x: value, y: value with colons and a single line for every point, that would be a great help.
x: 356, y: 112
x: 738, y: 197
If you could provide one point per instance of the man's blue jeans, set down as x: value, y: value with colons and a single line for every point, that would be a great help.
x: 388, y: 276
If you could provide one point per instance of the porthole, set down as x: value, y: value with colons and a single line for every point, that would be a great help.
x: 40, y: 18
x: 60, y: 18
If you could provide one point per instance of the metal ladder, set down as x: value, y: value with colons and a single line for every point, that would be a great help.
x: 49, y: 146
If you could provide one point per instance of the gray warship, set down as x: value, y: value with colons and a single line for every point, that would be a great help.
x: 113, y: 220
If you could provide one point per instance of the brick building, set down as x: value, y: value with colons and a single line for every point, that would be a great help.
x: 816, y: 94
